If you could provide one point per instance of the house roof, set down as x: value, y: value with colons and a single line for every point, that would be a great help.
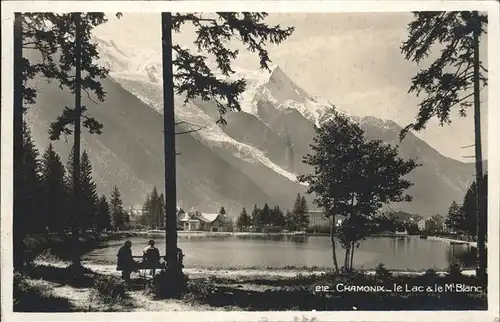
x: 208, y: 217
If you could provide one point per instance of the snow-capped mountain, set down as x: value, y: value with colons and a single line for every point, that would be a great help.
x: 254, y: 159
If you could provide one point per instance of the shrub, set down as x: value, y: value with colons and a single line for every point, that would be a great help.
x: 200, y: 289
x: 382, y: 273
x: 454, y: 271
x: 430, y: 273
x: 109, y: 289
x: 429, y: 277
x: 168, y: 285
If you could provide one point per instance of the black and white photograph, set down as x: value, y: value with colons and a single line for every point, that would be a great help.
x: 234, y: 161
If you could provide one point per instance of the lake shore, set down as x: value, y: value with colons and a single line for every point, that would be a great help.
x: 211, y: 288
x: 268, y: 272
x: 453, y: 241
x: 231, y: 289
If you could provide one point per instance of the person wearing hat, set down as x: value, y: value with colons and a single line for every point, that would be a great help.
x: 151, y: 256
x: 125, y: 261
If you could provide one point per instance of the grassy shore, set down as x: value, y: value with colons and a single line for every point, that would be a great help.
x: 47, y: 286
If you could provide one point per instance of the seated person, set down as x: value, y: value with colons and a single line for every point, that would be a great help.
x: 125, y: 261
x: 151, y: 256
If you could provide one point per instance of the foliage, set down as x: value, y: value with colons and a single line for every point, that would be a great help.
x: 447, y: 82
x: 354, y: 177
x: 54, y: 192
x: 463, y: 218
x: 194, y: 77
x: 88, y: 194
x: 469, y: 205
x: 455, y: 218
x: 154, y: 209
x: 28, y: 213
x: 36, y: 36
x: 298, y: 293
x: 109, y: 289
x: 169, y: 284
x: 300, y: 211
x: 244, y: 221
x: 454, y: 271
x: 103, y: 214
x: 291, y: 221
x: 116, y: 209
x: 382, y: 273
x: 265, y: 215
x: 257, y: 220
x: 64, y: 29
x: 277, y: 217
x: 88, y: 197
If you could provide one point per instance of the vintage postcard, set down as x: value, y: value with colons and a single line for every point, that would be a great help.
x: 250, y: 160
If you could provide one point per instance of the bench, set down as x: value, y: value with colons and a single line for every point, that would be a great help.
x: 143, y: 266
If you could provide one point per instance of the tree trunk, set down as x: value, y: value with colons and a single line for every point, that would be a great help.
x: 18, y: 214
x: 346, y: 259
x: 169, y: 138
x: 352, y: 256
x: 334, y: 252
x: 481, y: 251
x: 76, y: 143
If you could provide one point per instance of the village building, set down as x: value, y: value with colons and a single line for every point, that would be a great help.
x: 317, y: 219
x: 202, y: 222
x: 430, y: 224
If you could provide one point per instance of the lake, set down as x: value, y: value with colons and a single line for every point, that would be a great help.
x: 399, y: 253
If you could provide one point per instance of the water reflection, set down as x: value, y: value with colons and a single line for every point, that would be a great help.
x: 280, y: 251
x: 297, y: 239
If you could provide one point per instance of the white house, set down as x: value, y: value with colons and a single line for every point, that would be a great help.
x: 202, y: 222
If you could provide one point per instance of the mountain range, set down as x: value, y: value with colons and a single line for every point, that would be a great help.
x: 253, y: 159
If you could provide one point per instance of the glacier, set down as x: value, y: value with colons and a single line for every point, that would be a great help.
x: 141, y: 76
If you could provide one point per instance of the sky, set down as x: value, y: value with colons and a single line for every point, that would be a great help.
x: 351, y: 59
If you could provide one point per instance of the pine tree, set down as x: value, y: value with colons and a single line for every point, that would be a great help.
x: 78, y: 52
x: 279, y: 218
x: 452, y: 82
x: 54, y: 192
x: 155, y: 208
x: 244, y: 221
x: 126, y: 219
x: 265, y: 215
x: 470, y: 203
x: 161, y: 211
x: 272, y: 216
x: 116, y: 209
x: 88, y: 194
x: 300, y: 211
x: 146, y: 211
x: 304, y: 213
x: 455, y: 218
x: 68, y: 180
x: 257, y: 217
x: 291, y: 221
x: 30, y: 217
x: 87, y: 213
x: 103, y: 214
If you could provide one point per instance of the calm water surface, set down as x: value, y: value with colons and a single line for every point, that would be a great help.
x: 281, y: 251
